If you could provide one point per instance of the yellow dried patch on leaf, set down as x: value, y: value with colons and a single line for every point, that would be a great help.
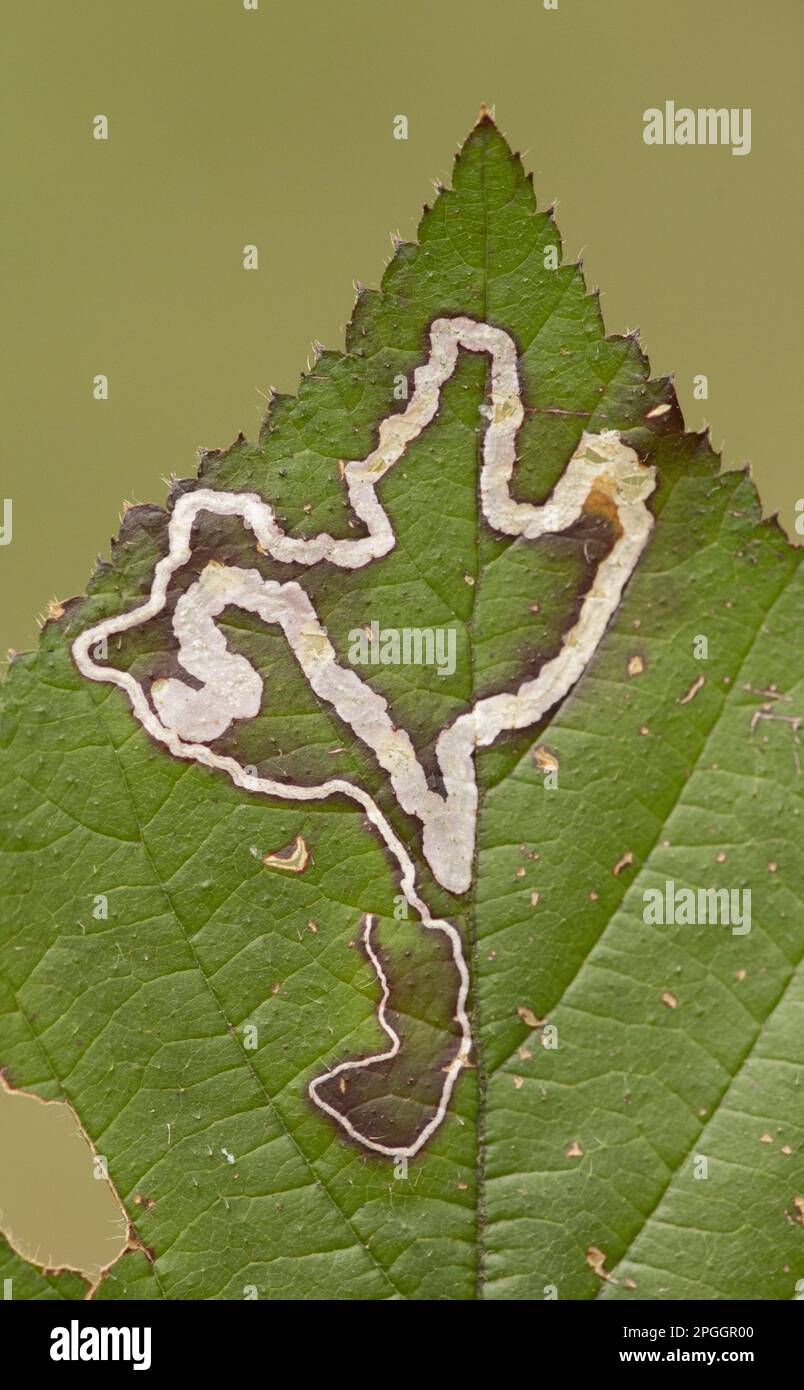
x: 293, y: 858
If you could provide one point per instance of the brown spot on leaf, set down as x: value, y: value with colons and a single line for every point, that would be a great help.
x: 528, y: 1016
x: 623, y: 863
x: 545, y: 759
x: 574, y: 1150
x: 596, y: 1259
x: 600, y: 501
x: 669, y: 999
x: 636, y: 665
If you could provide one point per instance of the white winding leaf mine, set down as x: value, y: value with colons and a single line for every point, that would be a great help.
x: 603, y: 474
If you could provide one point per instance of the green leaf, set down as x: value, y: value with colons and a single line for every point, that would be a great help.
x: 21, y: 1280
x: 248, y: 927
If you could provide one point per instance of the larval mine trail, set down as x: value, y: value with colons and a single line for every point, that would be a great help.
x: 186, y: 719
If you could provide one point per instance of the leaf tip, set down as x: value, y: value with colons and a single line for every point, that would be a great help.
x: 485, y: 116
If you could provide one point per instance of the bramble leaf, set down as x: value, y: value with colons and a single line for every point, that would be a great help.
x: 311, y: 834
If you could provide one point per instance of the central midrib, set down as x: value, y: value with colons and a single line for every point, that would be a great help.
x: 471, y: 917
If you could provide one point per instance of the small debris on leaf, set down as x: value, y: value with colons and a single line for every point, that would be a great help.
x: 545, y: 759
x: 692, y: 692
x: 623, y: 863
x: 596, y: 1259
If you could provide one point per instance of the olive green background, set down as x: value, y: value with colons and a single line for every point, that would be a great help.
x: 275, y: 127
